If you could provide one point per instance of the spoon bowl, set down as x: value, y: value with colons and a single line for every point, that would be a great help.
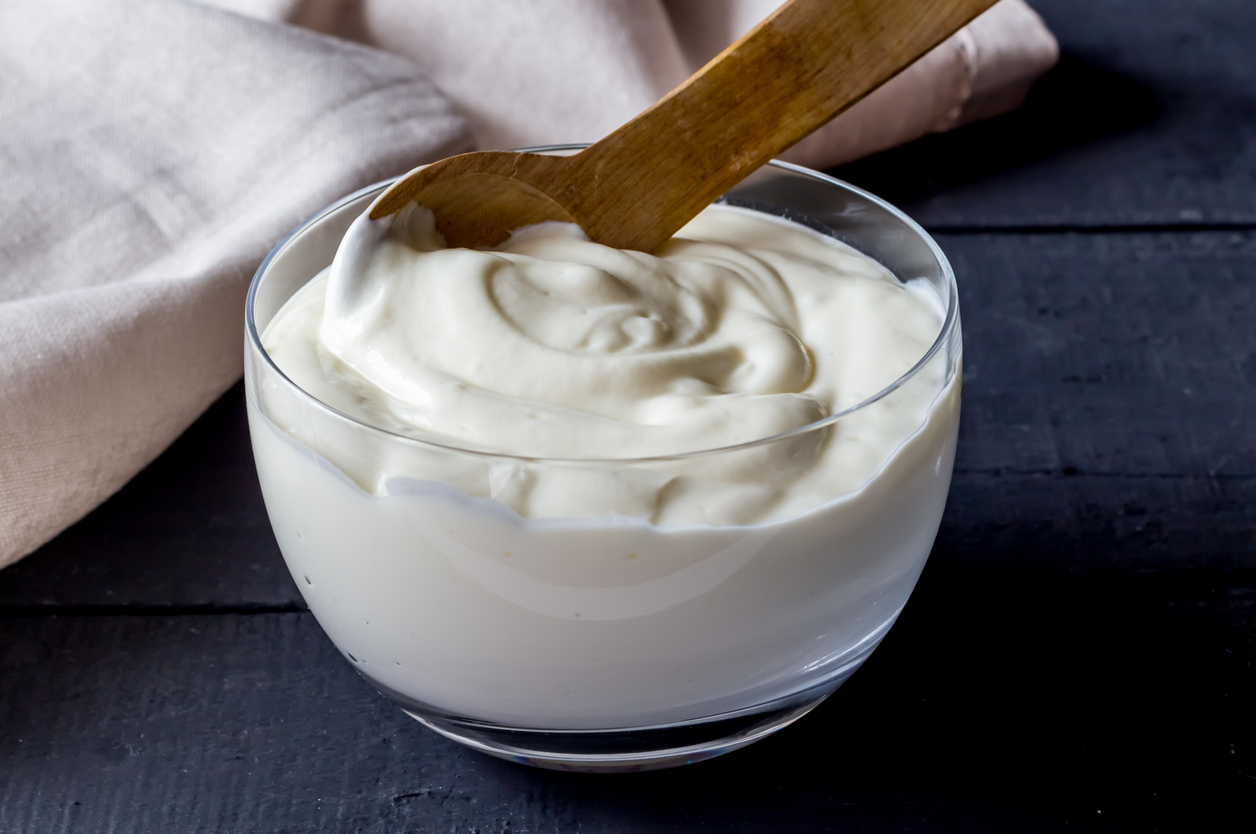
x: 480, y: 198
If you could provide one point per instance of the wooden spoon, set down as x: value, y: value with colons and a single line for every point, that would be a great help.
x: 807, y: 62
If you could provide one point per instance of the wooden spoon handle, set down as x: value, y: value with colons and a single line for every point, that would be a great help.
x: 796, y: 70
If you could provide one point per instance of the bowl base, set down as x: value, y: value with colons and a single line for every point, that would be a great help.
x: 627, y: 749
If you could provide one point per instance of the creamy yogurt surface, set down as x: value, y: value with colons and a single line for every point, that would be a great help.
x: 742, y: 327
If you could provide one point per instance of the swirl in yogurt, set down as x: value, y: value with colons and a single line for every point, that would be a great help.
x: 742, y: 327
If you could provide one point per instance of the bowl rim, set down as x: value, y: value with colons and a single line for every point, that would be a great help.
x: 949, y: 325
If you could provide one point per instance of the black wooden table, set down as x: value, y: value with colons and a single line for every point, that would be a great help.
x: 1078, y: 654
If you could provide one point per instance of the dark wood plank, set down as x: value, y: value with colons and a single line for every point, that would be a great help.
x: 1007, y: 700
x: 190, y: 530
x: 1150, y: 118
x: 1116, y: 354
x: 1086, y: 525
x: 1109, y: 376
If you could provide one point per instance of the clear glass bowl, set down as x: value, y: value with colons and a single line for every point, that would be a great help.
x: 601, y: 643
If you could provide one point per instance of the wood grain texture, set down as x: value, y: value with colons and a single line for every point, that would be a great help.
x: 1149, y: 119
x: 1002, y: 701
x: 803, y: 65
x: 1116, y: 354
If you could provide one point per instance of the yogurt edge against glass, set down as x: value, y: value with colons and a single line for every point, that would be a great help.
x: 601, y: 594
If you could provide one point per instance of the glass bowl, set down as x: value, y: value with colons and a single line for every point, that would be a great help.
x: 602, y: 643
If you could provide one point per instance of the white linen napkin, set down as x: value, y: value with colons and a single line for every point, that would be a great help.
x: 152, y: 151
x: 533, y: 72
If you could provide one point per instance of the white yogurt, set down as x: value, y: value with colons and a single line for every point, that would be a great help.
x: 489, y: 582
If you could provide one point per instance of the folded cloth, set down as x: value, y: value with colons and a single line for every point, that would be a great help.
x: 154, y: 150
x: 533, y: 72
x: 983, y: 70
